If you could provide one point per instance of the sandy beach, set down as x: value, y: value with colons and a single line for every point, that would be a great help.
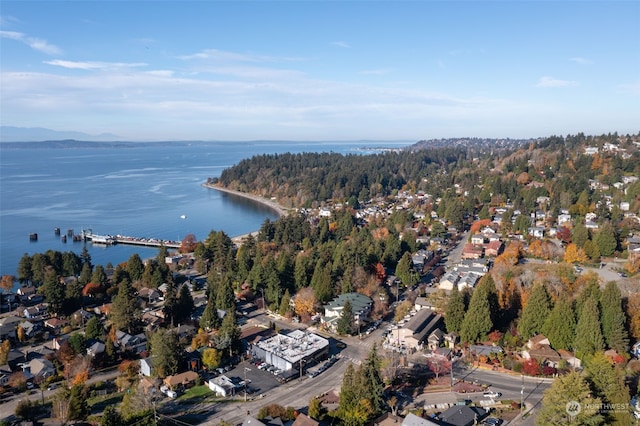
x: 269, y: 203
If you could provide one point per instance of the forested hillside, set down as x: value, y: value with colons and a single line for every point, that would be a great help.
x: 556, y: 167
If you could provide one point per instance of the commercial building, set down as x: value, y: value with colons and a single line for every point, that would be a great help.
x: 287, y: 352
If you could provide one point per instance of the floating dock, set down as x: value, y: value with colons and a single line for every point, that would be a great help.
x: 122, y: 239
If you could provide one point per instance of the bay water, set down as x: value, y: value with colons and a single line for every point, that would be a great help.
x: 150, y: 191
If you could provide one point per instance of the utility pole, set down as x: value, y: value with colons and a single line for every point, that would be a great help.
x: 522, y: 396
x: 245, y: 382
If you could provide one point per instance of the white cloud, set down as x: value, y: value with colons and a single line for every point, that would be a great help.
x: 341, y: 44
x: 225, y: 56
x: 581, y: 61
x: 90, y: 65
x: 554, y: 82
x: 34, y: 43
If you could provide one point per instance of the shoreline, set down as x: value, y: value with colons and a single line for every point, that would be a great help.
x: 279, y: 209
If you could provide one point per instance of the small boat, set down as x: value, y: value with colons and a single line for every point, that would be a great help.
x: 184, y: 216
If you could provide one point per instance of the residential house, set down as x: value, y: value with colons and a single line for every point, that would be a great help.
x: 40, y: 369
x: 146, y: 366
x: 95, y: 347
x: 544, y: 354
x: 434, y: 339
x: 149, y: 295
x: 5, y: 373
x: 468, y: 281
x: 25, y: 292
x: 477, y: 239
x: 223, y: 386
x: 423, y: 303
x: 449, y: 280
x: 304, y: 420
x: 415, y: 332
x: 571, y: 360
x: 494, y: 248
x: 128, y: 343
x: 360, y: 306
x: 462, y: 415
x: 536, y: 231
x: 538, y: 339
x: 413, y: 420
x: 471, y: 251
x: 182, y: 380
x: 56, y: 325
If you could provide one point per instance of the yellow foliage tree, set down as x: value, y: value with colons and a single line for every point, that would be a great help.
x: 574, y: 254
x: 199, y: 340
x: 211, y: 358
x: 305, y: 302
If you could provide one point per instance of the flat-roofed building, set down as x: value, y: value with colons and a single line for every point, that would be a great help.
x: 287, y: 351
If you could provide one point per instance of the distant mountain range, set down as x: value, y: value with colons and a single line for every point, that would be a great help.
x: 38, y: 134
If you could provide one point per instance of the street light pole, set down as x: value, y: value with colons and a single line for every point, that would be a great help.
x: 522, y: 396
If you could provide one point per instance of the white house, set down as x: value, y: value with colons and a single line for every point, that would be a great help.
x: 222, y: 385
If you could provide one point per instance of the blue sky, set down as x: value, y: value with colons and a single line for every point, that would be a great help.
x: 321, y: 70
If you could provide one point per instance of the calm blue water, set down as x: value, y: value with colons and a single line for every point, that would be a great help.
x: 141, y: 191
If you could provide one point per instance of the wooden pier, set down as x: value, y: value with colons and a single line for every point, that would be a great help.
x: 134, y: 241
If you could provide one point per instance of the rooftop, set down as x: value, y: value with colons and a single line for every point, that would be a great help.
x: 295, y: 345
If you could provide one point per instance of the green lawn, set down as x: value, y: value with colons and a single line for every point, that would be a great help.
x: 196, y: 394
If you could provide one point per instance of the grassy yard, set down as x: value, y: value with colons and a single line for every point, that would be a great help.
x: 196, y: 395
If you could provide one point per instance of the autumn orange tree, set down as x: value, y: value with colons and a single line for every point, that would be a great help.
x: 188, y: 244
x: 305, y: 302
x: 574, y: 254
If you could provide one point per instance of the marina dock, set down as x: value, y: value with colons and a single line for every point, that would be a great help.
x: 122, y: 239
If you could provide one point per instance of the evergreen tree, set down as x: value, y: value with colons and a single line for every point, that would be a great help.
x: 607, y: 240
x: 111, y: 417
x: 560, y: 325
x: 53, y: 291
x: 608, y: 382
x: 404, y: 270
x: 285, y: 303
x: 373, y: 383
x: 321, y: 281
x: 86, y: 273
x: 535, y: 312
x: 93, y: 329
x: 345, y: 322
x: 454, y: 314
x: 135, y: 267
x: 229, y: 334
x: 566, y: 389
x: 184, y: 305
x: 209, y: 319
x: 169, y: 306
x: 479, y: 319
x: 25, y: 273
x: 165, y: 350
x: 78, y: 406
x: 588, y: 339
x: 99, y: 276
x: 613, y: 319
x: 580, y: 235
x: 225, y: 297
x: 590, y: 290
x: 125, y: 312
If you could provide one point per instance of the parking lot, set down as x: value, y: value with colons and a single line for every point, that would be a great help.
x: 258, y: 381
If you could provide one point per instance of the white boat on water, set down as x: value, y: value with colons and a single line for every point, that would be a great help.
x: 184, y: 216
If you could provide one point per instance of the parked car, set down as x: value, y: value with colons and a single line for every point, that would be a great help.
x: 492, y: 394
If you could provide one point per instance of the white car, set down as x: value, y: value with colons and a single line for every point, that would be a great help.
x: 492, y: 394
